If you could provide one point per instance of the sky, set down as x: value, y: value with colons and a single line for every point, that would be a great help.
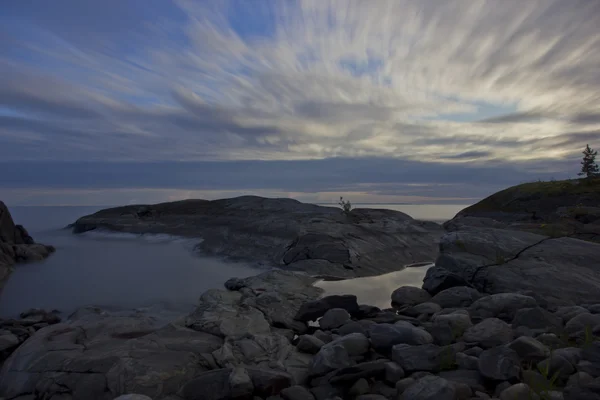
x: 404, y: 101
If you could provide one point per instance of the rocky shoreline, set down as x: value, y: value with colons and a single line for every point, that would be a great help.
x: 273, y: 336
x: 505, y: 313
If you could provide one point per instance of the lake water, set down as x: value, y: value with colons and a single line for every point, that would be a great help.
x: 128, y: 271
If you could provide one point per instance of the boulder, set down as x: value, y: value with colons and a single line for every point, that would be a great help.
x: 427, y: 357
x: 309, y: 344
x: 429, y: 388
x: 529, y: 349
x: 458, y: 296
x: 209, y: 385
x: 409, y: 296
x: 519, y: 391
x: 582, y: 322
x: 369, y: 369
x: 427, y: 309
x: 538, y: 319
x: 329, y: 358
x: 490, y: 332
x: 296, y: 393
x: 360, y: 387
x: 385, y: 336
x: 356, y: 344
x: 334, y: 318
x: 393, y: 372
x: 501, y: 305
x: 438, y: 279
x: 500, y: 363
x: 268, y: 382
x: 313, y: 310
x: 240, y: 383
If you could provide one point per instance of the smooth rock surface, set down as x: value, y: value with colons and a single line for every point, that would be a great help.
x: 283, y: 232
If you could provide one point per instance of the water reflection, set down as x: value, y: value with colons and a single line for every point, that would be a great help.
x: 376, y: 290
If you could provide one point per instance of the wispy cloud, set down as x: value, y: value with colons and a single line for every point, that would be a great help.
x: 301, y: 80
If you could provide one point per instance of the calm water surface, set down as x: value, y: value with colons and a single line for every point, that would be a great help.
x: 129, y: 271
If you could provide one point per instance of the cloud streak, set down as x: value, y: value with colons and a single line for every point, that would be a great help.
x: 406, y: 80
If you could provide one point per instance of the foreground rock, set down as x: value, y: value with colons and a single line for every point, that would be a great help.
x: 253, y: 342
x: 16, y: 245
x: 283, y: 232
x: 561, y: 271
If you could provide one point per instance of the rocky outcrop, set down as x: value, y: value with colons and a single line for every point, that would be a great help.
x: 16, y: 245
x: 556, y: 209
x: 252, y: 341
x: 562, y: 271
x: 284, y: 233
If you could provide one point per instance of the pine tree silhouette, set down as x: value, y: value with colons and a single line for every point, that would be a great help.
x: 589, y: 168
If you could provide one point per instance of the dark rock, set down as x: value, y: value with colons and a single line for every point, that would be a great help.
x: 268, y: 382
x: 367, y: 369
x: 502, y: 305
x: 500, y: 363
x: 330, y: 358
x: 429, y: 388
x: 468, y: 377
x: 352, y: 327
x: 448, y: 328
x: 473, y: 351
x: 393, y: 372
x: 537, y: 318
x: 209, y: 385
x: 361, y: 386
x: 16, y: 245
x: 490, y: 332
x: 356, y: 344
x: 409, y: 296
x: 309, y: 344
x: 501, y: 261
x: 334, y: 318
x: 587, y: 391
x: 459, y: 296
x: 518, y: 391
x: 529, y: 349
x: 463, y: 391
x: 403, y: 384
x: 325, y: 337
x: 366, y: 311
x: 427, y: 357
x: 582, y: 322
x: 240, y: 383
x: 380, y: 388
x: 438, y: 279
x: 556, y: 364
x: 568, y: 312
x: 464, y: 361
x: 371, y: 397
x: 314, y: 310
x: 384, y: 336
x: 427, y: 308
x: 325, y: 392
x: 296, y: 393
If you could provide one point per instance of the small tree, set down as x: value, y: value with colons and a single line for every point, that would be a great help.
x: 346, y: 206
x: 589, y: 168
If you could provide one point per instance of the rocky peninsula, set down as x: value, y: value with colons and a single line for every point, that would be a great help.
x: 284, y: 233
x: 506, y: 313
